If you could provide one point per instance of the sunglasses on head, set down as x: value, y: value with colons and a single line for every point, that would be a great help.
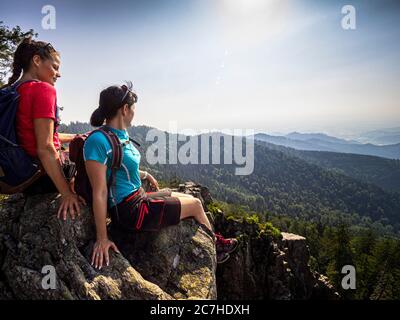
x: 126, y: 93
x: 128, y: 87
x: 47, y: 48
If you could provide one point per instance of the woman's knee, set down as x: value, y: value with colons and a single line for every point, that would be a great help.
x: 190, y: 207
x: 198, y: 203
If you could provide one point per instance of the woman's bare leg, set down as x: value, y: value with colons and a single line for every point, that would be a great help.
x: 180, y: 194
x: 192, y: 207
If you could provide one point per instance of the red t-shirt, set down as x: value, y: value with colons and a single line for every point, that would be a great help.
x: 37, y: 100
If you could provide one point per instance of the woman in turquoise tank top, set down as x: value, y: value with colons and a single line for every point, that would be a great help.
x: 130, y: 207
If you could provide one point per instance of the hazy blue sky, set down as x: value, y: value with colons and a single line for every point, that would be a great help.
x: 270, y: 65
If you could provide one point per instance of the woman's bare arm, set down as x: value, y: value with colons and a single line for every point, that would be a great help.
x: 65, y: 137
x: 144, y: 175
x: 97, y: 176
x: 48, y: 154
x: 49, y: 157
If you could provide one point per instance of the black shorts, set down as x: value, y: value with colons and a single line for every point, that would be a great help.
x: 150, y: 211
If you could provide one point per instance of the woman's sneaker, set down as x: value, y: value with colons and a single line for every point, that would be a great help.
x: 222, y: 257
x: 225, y: 245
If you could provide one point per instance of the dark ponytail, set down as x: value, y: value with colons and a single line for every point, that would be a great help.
x: 23, y: 56
x: 16, y: 73
x: 111, y: 100
x: 97, y: 119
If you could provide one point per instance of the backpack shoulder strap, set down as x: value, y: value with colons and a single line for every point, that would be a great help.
x: 117, y: 155
x: 17, y: 84
x: 117, y: 152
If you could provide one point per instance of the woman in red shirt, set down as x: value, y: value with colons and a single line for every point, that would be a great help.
x: 37, y: 117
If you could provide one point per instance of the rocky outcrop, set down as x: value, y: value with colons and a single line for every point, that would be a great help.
x: 178, y: 262
x: 266, y: 265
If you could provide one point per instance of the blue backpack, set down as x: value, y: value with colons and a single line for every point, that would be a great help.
x: 17, y: 169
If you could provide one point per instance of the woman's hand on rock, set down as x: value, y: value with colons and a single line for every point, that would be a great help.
x: 100, y: 254
x: 70, y: 203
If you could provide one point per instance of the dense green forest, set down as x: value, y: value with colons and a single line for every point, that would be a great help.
x: 345, y: 220
x: 375, y: 257
x: 382, y: 172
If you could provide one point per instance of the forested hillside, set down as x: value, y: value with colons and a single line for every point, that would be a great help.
x: 385, y: 173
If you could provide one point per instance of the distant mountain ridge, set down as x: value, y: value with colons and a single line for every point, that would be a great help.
x: 317, y: 136
x: 380, y: 137
x: 323, y: 142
